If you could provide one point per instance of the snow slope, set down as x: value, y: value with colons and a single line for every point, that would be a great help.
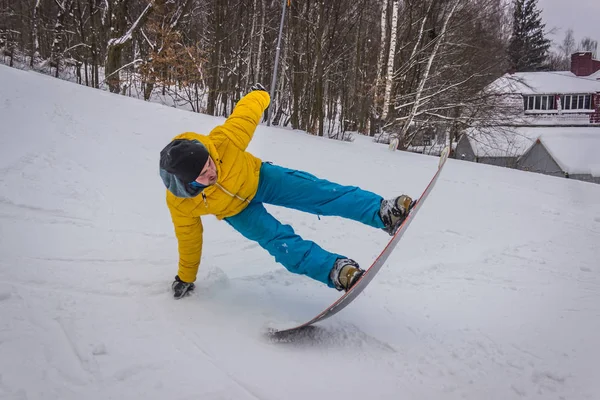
x: 493, y: 293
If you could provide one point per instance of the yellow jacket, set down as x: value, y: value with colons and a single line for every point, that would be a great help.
x: 236, y: 185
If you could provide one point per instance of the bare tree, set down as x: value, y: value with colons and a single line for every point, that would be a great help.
x: 261, y: 37
x: 589, y: 44
x: 419, y: 98
x: 456, y: 52
x: 121, y: 35
x: 35, y: 55
x: 390, y: 64
x: 382, y: 53
x: 568, y: 45
x: 346, y: 65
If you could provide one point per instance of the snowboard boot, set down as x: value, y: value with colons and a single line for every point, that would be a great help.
x: 394, y: 211
x: 345, y: 273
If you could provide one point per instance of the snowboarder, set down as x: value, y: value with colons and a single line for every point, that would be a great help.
x: 214, y: 174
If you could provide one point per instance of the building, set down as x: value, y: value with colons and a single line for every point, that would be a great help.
x: 501, y: 146
x: 571, y: 154
x: 559, y: 118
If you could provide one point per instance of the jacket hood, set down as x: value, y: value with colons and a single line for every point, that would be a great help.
x: 177, y: 187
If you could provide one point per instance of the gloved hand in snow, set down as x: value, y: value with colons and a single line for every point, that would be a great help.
x: 258, y: 86
x: 181, y: 288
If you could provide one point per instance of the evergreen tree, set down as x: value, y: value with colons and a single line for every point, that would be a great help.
x: 528, y: 49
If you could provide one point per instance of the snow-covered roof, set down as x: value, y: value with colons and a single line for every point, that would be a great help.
x: 575, y: 152
x: 502, y: 142
x: 515, y: 141
x: 595, y: 76
x: 555, y: 82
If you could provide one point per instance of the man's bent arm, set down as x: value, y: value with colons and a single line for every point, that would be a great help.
x: 241, y: 124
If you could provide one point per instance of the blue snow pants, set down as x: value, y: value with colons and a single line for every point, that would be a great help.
x: 305, y: 192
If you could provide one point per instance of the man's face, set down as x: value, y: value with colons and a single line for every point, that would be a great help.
x: 208, y: 175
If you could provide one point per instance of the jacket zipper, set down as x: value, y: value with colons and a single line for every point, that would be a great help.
x: 227, y: 192
x: 232, y: 195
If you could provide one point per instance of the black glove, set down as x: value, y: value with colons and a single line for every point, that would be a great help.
x: 181, y: 288
x: 258, y: 86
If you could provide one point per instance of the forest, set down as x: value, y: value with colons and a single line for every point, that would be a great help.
x: 409, y: 68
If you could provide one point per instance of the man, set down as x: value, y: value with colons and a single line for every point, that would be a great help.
x: 215, y: 175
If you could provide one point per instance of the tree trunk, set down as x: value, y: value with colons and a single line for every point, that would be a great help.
x: 318, y: 112
x: 118, y: 22
x: 119, y: 39
x: 295, y: 71
x: 250, y: 72
x: 64, y: 8
x: 261, y: 37
x: 35, y: 53
x: 390, y: 64
x: 94, y: 41
x: 382, y: 46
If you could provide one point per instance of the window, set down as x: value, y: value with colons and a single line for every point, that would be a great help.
x: 574, y: 102
x: 577, y: 102
x: 542, y: 103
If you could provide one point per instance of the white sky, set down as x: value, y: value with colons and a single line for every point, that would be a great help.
x: 583, y: 16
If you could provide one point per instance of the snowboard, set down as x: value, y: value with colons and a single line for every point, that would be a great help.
x: 370, y: 273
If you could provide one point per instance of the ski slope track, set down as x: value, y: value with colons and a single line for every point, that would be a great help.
x: 493, y: 292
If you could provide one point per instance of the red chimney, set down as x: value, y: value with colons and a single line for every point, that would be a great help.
x: 582, y: 63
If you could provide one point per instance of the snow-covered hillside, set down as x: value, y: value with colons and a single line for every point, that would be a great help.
x: 493, y: 293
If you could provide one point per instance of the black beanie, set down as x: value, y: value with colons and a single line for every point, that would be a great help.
x: 184, y: 158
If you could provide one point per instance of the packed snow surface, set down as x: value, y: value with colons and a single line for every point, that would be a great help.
x: 493, y: 293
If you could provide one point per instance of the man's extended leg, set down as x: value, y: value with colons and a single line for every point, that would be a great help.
x: 305, y: 192
x: 294, y: 253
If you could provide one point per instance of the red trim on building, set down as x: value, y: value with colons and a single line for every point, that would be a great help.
x: 595, y: 117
